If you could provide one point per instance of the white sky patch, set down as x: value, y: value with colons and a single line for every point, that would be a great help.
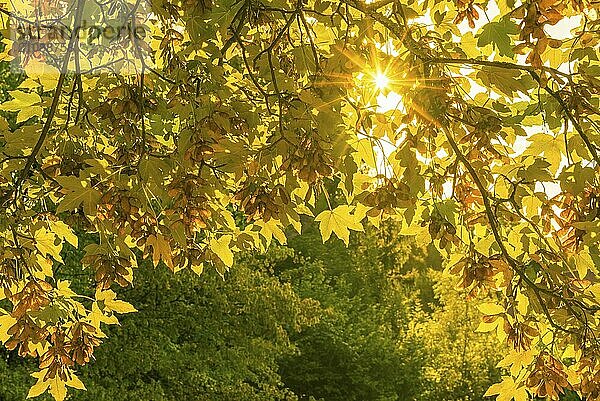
x: 551, y: 189
x: 562, y: 29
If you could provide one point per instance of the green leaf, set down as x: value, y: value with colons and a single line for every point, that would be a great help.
x: 497, y: 34
x: 507, y: 81
x: 78, y: 193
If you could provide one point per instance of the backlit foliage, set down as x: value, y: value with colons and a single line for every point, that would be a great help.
x: 214, y: 131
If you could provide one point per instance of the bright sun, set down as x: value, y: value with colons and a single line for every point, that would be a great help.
x: 381, y: 81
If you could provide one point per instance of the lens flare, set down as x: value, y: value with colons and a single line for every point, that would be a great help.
x: 381, y: 81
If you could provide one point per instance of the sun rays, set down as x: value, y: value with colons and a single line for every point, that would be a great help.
x: 381, y: 81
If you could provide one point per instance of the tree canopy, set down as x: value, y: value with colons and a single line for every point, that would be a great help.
x: 184, y: 132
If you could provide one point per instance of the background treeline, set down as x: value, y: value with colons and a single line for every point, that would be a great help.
x: 307, y: 321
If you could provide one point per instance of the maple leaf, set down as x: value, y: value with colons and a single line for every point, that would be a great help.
x: 78, y: 192
x: 339, y: 221
x: 507, y: 390
x: 490, y: 308
x: 26, y: 104
x: 508, y: 82
x: 45, y: 243
x: 517, y: 360
x: 221, y: 248
x: 55, y: 386
x: 6, y: 322
x: 64, y: 232
x: 96, y: 316
x: 161, y: 250
x: 108, y: 297
x: 497, y: 34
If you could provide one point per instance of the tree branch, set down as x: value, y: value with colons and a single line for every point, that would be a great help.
x: 55, y: 100
x: 533, y: 72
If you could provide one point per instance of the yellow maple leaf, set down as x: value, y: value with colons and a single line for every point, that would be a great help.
x: 583, y: 262
x: 161, y: 250
x: 507, y: 390
x: 272, y: 228
x: 25, y: 103
x: 108, y: 297
x: 56, y: 387
x: 63, y: 287
x: 490, y: 308
x: 222, y: 249
x: 339, y: 221
x: 517, y: 360
x: 46, y: 267
x: 6, y: 322
x: 44, y: 73
x: 45, y: 243
x: 96, y: 316
x: 40, y: 386
x: 64, y: 232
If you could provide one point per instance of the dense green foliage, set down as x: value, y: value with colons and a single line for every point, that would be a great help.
x: 305, y: 320
x: 394, y: 329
